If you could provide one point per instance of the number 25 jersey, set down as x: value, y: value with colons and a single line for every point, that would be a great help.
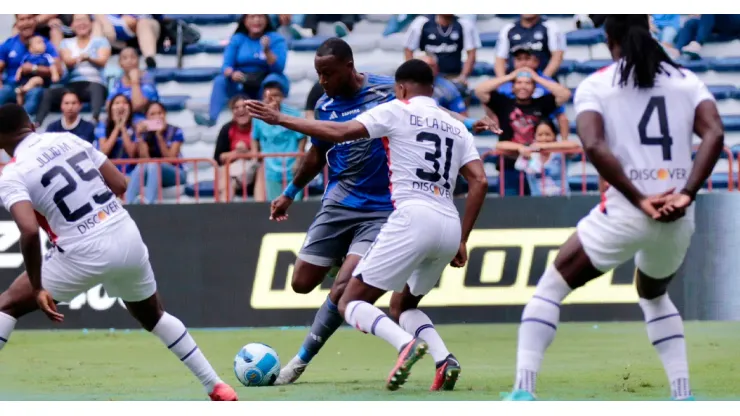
x: 425, y: 147
x: 649, y: 130
x: 58, y: 173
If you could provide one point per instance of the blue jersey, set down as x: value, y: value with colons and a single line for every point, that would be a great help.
x: 358, y: 169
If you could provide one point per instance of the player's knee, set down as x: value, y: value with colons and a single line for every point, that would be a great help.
x: 651, y: 288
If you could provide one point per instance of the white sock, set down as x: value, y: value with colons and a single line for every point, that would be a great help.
x: 7, y: 323
x: 418, y: 324
x: 371, y: 320
x: 665, y: 331
x: 539, y: 322
x: 176, y: 337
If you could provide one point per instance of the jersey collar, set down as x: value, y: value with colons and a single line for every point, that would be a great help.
x: 424, y: 100
x: 29, y: 141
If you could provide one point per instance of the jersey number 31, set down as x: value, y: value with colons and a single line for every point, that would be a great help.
x: 71, y: 186
x: 665, y: 141
x: 435, y: 176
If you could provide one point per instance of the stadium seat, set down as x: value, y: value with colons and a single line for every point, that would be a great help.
x: 188, y: 50
x: 731, y: 122
x: 697, y: 66
x: 585, y: 37
x: 482, y: 68
x: 589, y: 67
x: 725, y: 64
x: 566, y: 67
x: 191, y: 75
x: 162, y: 75
x: 213, y: 47
x: 723, y: 92
x: 174, y: 102
x: 308, y: 44
x: 206, y: 19
x: 575, y: 177
x: 203, y: 188
x: 488, y: 40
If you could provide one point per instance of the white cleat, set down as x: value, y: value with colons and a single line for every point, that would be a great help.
x: 291, y: 372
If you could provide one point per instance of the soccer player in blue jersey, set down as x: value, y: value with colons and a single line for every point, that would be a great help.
x: 357, y: 200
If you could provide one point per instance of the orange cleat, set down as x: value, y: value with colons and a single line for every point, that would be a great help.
x: 446, y: 375
x: 223, y: 393
x: 410, y: 354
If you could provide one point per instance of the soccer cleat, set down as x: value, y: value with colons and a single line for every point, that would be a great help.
x: 519, y: 396
x: 447, y: 373
x: 686, y: 399
x: 223, y: 393
x: 291, y: 372
x: 410, y: 354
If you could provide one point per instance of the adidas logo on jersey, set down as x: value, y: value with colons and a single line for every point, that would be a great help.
x: 333, y: 115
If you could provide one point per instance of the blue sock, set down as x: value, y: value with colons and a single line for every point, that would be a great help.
x: 325, y: 323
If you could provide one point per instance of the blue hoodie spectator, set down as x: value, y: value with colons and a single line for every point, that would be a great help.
x: 254, y: 52
x: 667, y: 26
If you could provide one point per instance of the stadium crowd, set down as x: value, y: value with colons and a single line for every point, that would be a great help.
x: 52, y: 63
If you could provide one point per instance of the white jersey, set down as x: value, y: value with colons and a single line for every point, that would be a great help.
x: 58, y: 173
x: 426, y: 148
x: 650, y: 131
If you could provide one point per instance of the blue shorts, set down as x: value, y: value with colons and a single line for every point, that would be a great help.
x: 123, y: 33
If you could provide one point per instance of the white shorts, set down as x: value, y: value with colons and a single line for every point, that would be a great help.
x: 658, y: 248
x: 118, y: 259
x: 413, y: 247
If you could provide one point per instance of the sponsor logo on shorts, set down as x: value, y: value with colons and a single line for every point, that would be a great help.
x: 503, y: 269
x: 660, y: 174
x: 99, y: 217
x: 432, y: 189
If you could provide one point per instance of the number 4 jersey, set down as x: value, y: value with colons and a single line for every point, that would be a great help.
x: 58, y: 173
x: 650, y: 130
x: 425, y: 146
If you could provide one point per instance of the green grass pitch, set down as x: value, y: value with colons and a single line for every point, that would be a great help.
x: 611, y: 361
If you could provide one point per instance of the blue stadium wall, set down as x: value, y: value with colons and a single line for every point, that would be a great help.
x: 226, y: 265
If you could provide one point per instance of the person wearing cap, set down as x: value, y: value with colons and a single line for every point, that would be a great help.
x: 544, y: 36
x: 524, y: 56
x: 446, y: 92
x: 278, y: 171
x: 518, y: 116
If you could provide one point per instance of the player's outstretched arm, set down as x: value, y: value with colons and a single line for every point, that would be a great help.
x: 113, y: 177
x: 309, y: 167
x: 25, y: 218
x: 708, y: 126
x: 331, y: 131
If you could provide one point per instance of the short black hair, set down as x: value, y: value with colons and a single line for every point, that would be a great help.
x: 274, y: 85
x: 13, y: 118
x: 337, y: 48
x: 67, y: 92
x: 415, y: 70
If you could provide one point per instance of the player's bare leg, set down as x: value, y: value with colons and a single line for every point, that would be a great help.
x: 665, y: 331
x: 171, y: 331
x: 18, y: 300
x: 404, y: 310
x: 571, y: 269
x: 306, y: 278
x: 356, y: 305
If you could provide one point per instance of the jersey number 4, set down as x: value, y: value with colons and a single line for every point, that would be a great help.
x: 71, y: 186
x: 665, y: 141
x: 435, y: 176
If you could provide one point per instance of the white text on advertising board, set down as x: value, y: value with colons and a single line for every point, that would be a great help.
x: 452, y: 290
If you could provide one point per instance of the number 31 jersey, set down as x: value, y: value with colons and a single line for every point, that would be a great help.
x: 425, y: 146
x: 649, y: 130
x: 58, y: 173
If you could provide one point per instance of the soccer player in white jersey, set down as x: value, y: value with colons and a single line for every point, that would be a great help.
x: 636, y: 119
x: 426, y: 149
x: 60, y: 183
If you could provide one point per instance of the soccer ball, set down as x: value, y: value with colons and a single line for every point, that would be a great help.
x: 256, y: 365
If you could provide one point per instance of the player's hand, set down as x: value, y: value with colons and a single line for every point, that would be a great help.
x: 279, y: 208
x: 47, y: 306
x: 263, y: 112
x: 674, y: 207
x: 650, y: 205
x: 461, y: 257
x: 486, y: 124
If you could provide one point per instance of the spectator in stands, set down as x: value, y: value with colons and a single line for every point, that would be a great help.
x: 445, y: 91
x: 156, y: 139
x: 85, y: 57
x: 313, y: 97
x: 121, y: 29
x: 665, y: 27
x: 518, y: 116
x: 542, y: 165
x: 445, y: 37
x: 544, y: 36
x: 137, y: 85
x: 38, y: 57
x: 12, y: 53
x: 398, y: 23
x: 279, y: 171
x: 310, y: 27
x: 54, y: 27
x: 115, y: 135
x: 524, y: 57
x: 287, y: 24
x: 235, y: 139
x: 254, y: 52
x: 697, y: 30
x: 71, y: 121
